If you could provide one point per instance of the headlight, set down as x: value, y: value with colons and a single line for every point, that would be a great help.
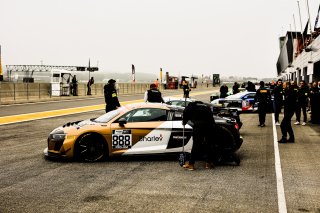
x: 58, y: 136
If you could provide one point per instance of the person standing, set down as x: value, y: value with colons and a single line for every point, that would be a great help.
x: 203, y: 122
x: 90, y: 82
x: 278, y: 100
x: 223, y: 91
x: 315, y: 103
x: 153, y: 95
x: 74, y: 86
x: 235, y: 88
x: 157, y: 83
x: 110, y: 96
x: 251, y: 87
x: 186, y: 89
x: 290, y: 101
x: 263, y: 98
x: 303, y: 94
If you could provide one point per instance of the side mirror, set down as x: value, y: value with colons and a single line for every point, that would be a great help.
x: 122, y: 122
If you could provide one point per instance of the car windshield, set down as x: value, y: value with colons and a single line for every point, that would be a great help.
x: 107, y: 117
x: 180, y: 103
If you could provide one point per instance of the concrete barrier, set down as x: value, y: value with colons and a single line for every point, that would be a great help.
x: 11, y: 92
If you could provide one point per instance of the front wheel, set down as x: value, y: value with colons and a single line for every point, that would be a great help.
x: 90, y: 148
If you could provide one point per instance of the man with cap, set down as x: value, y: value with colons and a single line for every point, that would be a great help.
x: 263, y: 98
x: 110, y: 96
x: 153, y: 95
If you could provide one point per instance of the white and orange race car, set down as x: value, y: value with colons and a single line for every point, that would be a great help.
x: 136, y: 129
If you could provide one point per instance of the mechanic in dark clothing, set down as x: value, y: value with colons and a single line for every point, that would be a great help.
x: 235, y: 88
x: 315, y: 103
x: 303, y: 94
x: 263, y: 98
x: 153, y: 95
x: 203, y: 123
x: 110, y: 96
x: 74, y: 86
x: 223, y: 91
x: 278, y: 100
x: 186, y: 89
x: 290, y: 102
x: 251, y: 87
x: 89, y: 84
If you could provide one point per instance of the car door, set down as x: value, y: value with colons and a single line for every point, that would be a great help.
x: 180, y: 135
x: 146, y: 132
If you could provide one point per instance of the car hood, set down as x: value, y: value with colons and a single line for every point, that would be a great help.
x: 71, y: 126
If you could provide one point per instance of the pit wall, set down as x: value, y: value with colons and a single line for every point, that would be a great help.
x: 11, y: 92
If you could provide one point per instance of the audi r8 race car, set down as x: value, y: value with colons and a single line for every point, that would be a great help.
x: 136, y: 129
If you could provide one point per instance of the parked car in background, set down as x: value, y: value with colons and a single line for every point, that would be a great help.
x: 243, y: 101
x: 180, y: 102
x: 219, y: 109
x: 217, y: 94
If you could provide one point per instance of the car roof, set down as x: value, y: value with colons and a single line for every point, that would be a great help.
x: 239, y: 95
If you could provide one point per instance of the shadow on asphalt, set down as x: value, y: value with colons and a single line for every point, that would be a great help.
x: 146, y: 158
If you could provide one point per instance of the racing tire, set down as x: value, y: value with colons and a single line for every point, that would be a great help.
x: 225, y: 137
x: 90, y: 148
x: 225, y: 146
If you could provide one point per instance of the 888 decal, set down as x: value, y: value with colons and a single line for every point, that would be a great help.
x: 121, y: 139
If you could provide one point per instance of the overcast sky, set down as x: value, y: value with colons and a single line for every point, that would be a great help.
x: 229, y: 37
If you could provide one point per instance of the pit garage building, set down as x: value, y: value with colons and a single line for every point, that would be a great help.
x: 299, y: 60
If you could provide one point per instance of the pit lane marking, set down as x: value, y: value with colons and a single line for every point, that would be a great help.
x: 61, y: 112
x: 282, y: 206
x: 55, y: 113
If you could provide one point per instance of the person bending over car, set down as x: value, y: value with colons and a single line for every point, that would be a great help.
x: 203, y: 123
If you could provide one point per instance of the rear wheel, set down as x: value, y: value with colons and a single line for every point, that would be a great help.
x: 224, y: 146
x: 90, y: 148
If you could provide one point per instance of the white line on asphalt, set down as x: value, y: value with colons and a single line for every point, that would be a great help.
x: 280, y: 189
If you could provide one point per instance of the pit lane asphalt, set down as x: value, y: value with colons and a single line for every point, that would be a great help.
x: 30, y: 183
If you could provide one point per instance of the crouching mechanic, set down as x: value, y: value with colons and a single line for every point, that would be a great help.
x: 203, y: 123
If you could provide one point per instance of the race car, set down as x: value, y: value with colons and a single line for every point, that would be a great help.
x: 217, y: 94
x: 180, y: 102
x: 217, y: 109
x: 243, y: 101
x: 135, y: 129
